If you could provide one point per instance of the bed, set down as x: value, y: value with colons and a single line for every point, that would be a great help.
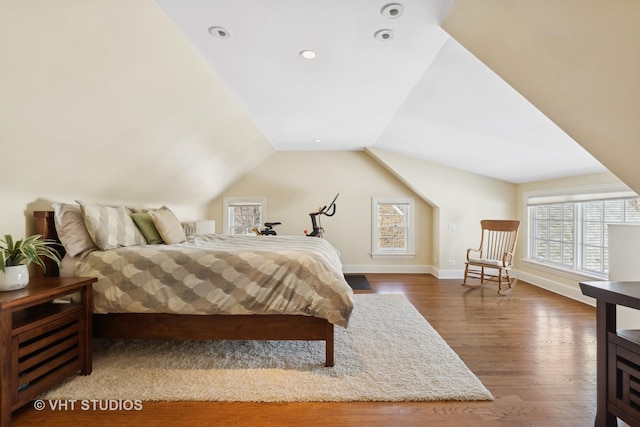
x: 225, y: 288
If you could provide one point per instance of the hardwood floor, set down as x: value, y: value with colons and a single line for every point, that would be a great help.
x: 534, y: 350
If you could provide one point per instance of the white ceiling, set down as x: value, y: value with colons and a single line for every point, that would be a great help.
x: 419, y: 93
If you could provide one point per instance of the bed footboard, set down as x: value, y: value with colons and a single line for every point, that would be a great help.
x: 216, y: 327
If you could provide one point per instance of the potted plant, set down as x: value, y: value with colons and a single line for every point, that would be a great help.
x: 15, y: 257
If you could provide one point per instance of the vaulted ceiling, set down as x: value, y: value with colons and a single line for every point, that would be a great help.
x: 385, y: 74
x: 136, y: 100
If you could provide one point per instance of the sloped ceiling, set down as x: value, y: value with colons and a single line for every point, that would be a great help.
x: 577, y: 61
x: 419, y: 92
x: 105, y: 99
x: 117, y: 99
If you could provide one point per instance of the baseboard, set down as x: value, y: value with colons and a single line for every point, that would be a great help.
x: 404, y: 269
x: 449, y: 274
x: 550, y: 285
x: 398, y: 269
x: 555, y: 287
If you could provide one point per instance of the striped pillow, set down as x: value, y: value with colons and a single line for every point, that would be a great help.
x: 111, y: 227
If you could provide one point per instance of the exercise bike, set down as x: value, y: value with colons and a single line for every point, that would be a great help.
x: 267, y: 230
x: 318, y: 231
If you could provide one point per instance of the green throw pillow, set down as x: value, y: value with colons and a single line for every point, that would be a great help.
x: 145, y: 223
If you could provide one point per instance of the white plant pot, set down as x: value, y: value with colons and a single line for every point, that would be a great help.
x: 14, y: 278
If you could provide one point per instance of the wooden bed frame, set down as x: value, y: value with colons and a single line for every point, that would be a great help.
x: 199, y: 327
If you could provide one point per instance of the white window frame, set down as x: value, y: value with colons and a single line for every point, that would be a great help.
x: 381, y: 253
x: 235, y: 201
x: 569, y: 195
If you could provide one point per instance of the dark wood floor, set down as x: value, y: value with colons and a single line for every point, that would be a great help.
x: 534, y: 350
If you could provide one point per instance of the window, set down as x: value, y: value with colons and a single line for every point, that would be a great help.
x: 392, y: 227
x: 241, y: 214
x: 573, y: 234
x: 552, y: 233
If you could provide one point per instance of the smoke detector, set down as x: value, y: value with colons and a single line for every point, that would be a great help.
x: 392, y: 10
x: 220, y: 32
x: 384, y: 35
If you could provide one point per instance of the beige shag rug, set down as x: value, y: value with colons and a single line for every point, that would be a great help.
x: 388, y: 353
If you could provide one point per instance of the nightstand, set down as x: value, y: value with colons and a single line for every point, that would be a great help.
x: 43, y: 342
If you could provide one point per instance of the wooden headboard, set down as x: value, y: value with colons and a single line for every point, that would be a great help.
x: 46, y: 227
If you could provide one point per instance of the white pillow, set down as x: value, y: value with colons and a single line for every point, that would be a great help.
x: 168, y: 225
x: 111, y: 227
x: 71, y: 230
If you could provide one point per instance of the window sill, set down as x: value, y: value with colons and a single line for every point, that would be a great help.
x: 569, y: 274
x: 393, y: 256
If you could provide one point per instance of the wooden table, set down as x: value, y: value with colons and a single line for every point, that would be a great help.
x: 43, y: 342
x: 618, y: 353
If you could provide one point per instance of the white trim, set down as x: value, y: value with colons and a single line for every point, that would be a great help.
x: 410, y: 223
x: 389, y: 269
x: 567, y: 273
x: 555, y: 287
x: 568, y: 194
x: 578, y: 194
x: 449, y: 274
x: 565, y: 191
x: 233, y: 200
x: 404, y: 269
x: 392, y: 256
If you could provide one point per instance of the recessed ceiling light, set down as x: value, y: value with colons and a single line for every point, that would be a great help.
x: 317, y: 140
x: 220, y: 32
x: 383, y: 35
x: 307, y: 54
x: 392, y: 10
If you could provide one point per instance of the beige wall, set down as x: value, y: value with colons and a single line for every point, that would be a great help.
x: 577, y: 61
x: 17, y: 208
x: 106, y: 101
x: 297, y: 183
x: 460, y: 200
x: 449, y: 203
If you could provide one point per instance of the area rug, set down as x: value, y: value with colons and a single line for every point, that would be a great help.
x: 388, y: 353
x: 357, y: 281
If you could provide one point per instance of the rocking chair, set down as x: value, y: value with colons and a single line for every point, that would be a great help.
x: 496, y: 252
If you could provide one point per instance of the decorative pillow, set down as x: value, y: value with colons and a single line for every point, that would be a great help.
x: 145, y: 223
x: 168, y: 225
x: 111, y: 227
x: 71, y: 230
x: 139, y: 209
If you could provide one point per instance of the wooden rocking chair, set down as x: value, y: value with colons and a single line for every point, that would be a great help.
x: 496, y: 252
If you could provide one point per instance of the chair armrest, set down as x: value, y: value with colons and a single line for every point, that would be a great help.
x: 507, y: 259
x: 473, y: 250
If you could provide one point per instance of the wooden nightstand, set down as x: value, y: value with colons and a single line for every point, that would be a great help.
x: 42, y: 342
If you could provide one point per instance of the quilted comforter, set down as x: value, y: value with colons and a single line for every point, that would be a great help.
x: 220, y: 274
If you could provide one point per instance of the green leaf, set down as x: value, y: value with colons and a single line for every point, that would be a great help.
x: 29, y: 250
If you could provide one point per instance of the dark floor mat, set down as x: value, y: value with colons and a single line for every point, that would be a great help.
x: 357, y: 281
